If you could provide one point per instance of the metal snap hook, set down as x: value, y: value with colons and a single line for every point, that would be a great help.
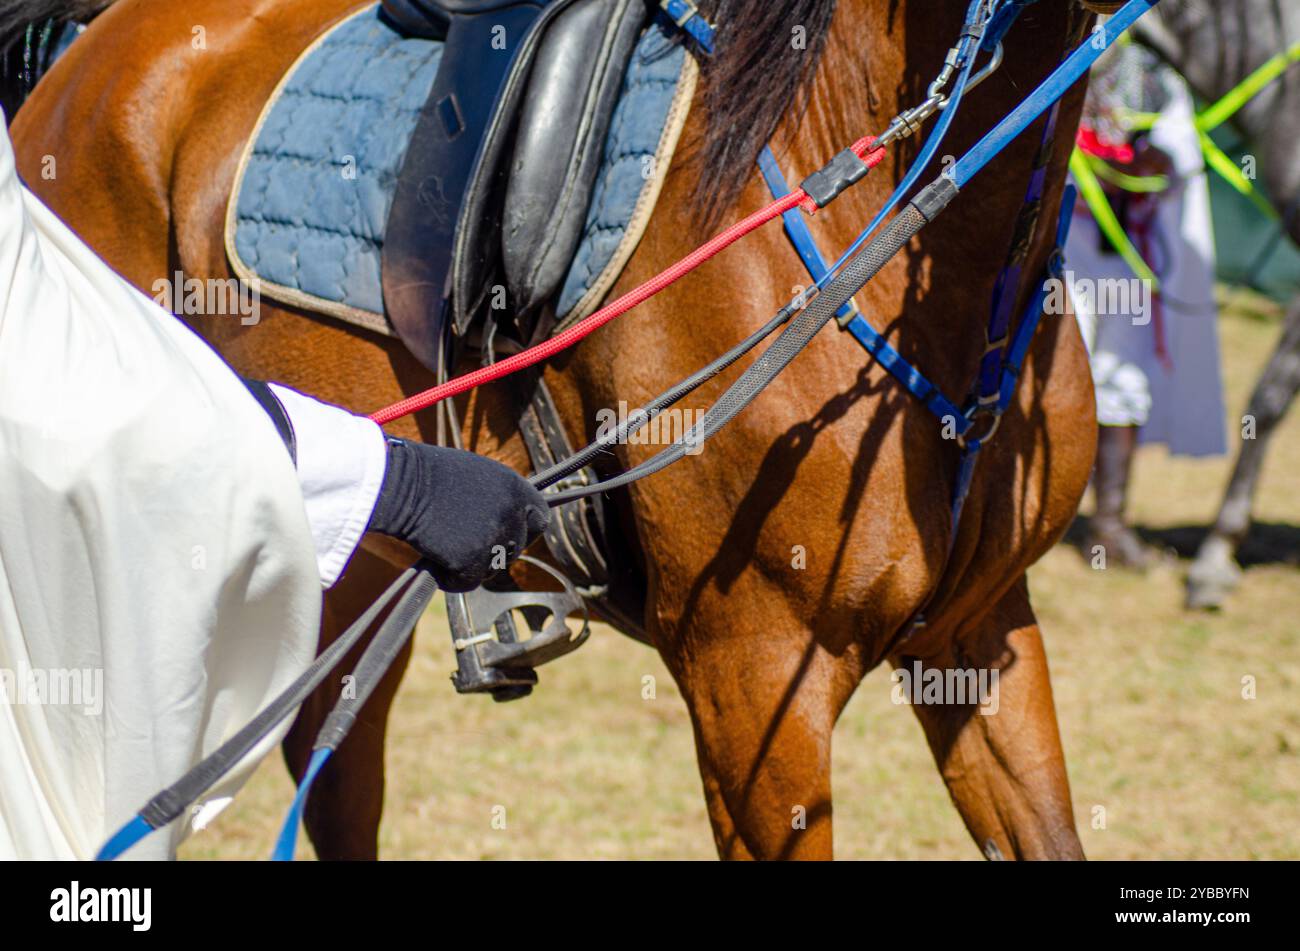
x: 987, y: 70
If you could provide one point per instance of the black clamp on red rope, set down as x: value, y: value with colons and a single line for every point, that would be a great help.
x: 831, y: 180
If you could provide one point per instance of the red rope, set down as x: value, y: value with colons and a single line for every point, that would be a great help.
x: 566, y: 339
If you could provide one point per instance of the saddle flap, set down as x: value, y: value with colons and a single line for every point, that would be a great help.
x: 528, y: 236
x: 525, y: 90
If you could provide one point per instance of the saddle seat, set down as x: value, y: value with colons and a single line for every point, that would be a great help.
x: 494, y: 189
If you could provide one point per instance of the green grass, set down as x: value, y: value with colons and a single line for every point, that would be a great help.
x: 1156, y: 731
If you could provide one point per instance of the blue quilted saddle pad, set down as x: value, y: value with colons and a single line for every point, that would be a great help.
x: 307, y: 214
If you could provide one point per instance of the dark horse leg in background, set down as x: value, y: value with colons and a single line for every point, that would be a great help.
x: 1215, y: 571
x: 1215, y: 46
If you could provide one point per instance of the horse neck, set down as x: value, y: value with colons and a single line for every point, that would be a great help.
x: 879, y: 58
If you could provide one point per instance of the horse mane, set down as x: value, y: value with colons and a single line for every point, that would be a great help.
x: 17, y: 15
x: 755, y: 76
x: 29, y: 30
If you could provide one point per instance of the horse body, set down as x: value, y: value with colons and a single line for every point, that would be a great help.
x: 835, y: 460
x: 1215, y: 47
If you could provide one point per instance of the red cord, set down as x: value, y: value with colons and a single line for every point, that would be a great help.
x: 566, y: 339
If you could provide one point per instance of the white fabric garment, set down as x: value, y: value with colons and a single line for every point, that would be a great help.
x: 1176, y: 397
x: 341, y: 463
x: 155, y: 555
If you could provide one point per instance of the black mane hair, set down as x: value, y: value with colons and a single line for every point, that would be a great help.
x: 756, y: 74
x: 29, y: 30
x: 17, y: 15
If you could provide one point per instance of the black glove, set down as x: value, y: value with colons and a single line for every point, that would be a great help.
x: 468, y: 514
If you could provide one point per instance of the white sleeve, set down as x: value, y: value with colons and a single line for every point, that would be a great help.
x: 155, y: 556
x: 341, y: 463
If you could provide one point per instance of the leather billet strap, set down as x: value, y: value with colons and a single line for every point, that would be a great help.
x: 271, y: 404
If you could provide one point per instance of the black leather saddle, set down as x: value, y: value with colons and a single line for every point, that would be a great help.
x: 493, y: 192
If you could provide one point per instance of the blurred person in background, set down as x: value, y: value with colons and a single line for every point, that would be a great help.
x: 1155, y: 356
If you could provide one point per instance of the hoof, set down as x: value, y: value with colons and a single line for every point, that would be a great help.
x: 1209, y: 583
x: 1202, y: 597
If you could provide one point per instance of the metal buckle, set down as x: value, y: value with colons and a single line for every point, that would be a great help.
x: 987, y: 70
x: 853, y: 314
x: 1056, y: 263
x: 908, y: 121
x: 981, y: 410
x: 690, y: 11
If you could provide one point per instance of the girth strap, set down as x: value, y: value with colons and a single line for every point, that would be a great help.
x: 995, y: 394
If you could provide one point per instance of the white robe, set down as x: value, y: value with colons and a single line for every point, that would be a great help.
x: 1178, y: 399
x: 152, y: 535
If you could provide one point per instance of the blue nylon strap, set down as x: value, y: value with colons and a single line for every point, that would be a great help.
x: 911, y: 378
x: 863, y: 332
x: 288, y: 839
x: 1001, y: 22
x: 961, y: 489
x: 1020, y: 346
x: 966, y: 57
x: 1015, y: 358
x: 1025, y: 332
x: 796, y: 228
x: 123, y: 839
x: 1008, y: 284
x: 688, y: 18
x: 1055, y: 86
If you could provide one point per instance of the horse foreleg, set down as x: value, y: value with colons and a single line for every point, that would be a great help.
x: 1215, y: 573
x: 343, y: 812
x: 1002, y: 760
x: 763, y: 709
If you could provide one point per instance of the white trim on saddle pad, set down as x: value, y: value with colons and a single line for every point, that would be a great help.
x: 646, y: 202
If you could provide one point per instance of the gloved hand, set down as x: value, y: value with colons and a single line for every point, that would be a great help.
x: 468, y: 514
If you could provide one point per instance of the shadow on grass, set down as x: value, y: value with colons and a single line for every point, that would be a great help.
x: 1267, y: 543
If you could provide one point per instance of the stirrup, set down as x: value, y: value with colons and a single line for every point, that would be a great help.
x: 490, y: 656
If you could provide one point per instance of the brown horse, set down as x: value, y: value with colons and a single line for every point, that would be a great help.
x: 773, y: 570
